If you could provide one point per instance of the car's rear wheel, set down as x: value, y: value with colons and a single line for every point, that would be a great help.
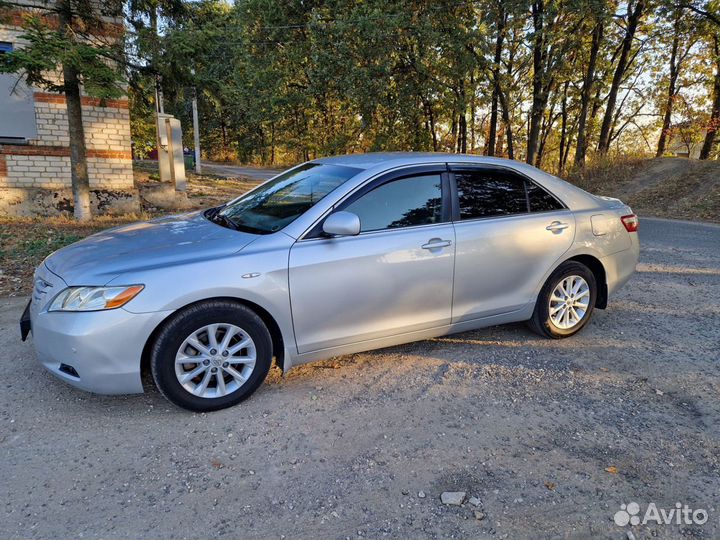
x: 566, y: 301
x: 211, y: 355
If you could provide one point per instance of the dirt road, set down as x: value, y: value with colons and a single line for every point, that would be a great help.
x: 551, y: 436
x: 246, y: 171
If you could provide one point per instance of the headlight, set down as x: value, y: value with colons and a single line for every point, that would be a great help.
x: 94, y: 298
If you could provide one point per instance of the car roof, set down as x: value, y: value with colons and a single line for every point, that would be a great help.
x: 373, y: 159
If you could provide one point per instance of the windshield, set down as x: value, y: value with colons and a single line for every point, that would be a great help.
x: 280, y: 201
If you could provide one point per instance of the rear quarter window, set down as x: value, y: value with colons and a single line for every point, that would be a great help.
x: 541, y: 200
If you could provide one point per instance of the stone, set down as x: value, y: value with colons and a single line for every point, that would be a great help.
x: 474, y: 501
x: 455, y: 498
x: 421, y: 494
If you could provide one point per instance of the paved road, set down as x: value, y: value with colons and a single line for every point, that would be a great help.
x: 223, y: 169
x: 342, y: 448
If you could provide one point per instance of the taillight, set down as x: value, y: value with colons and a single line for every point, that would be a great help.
x: 631, y: 222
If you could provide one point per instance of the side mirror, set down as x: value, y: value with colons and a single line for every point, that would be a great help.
x: 342, y: 224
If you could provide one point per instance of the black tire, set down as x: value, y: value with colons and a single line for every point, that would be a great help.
x: 183, y: 324
x: 541, y: 322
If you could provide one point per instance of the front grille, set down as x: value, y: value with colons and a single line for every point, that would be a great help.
x: 41, y: 290
x: 45, y: 287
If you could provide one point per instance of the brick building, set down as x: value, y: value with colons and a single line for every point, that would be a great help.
x: 34, y: 141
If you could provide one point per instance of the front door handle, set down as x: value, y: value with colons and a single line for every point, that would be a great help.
x: 557, y: 227
x: 436, y: 243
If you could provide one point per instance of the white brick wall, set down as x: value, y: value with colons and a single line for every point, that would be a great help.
x: 53, y: 172
x: 109, y: 173
x: 106, y: 129
x: 52, y: 124
x: 50, y: 172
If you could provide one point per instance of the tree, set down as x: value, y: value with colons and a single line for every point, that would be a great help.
x: 288, y: 81
x: 501, y: 18
x: 634, y: 14
x: 64, y: 52
x: 587, y: 85
x: 714, y: 121
x: 681, y: 43
x: 553, y: 31
x: 708, y: 11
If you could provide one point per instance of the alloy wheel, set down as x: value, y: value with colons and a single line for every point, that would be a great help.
x: 215, y: 360
x: 569, y: 302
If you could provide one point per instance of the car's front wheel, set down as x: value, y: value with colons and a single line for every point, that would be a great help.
x: 566, y: 301
x: 211, y: 355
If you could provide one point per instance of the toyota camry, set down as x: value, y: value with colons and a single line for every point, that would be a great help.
x: 334, y: 256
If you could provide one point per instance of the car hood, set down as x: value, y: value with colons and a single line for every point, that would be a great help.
x: 166, y: 241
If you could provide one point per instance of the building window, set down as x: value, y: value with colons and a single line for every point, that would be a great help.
x: 16, y: 103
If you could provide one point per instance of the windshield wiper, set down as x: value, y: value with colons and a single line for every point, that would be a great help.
x: 226, y: 222
x: 215, y: 216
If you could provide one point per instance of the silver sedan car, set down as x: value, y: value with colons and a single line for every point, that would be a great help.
x: 332, y: 257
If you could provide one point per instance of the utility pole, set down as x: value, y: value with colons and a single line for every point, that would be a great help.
x: 196, y: 127
x: 196, y: 133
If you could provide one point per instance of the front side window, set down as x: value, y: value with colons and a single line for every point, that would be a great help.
x: 405, y: 202
x: 280, y: 201
x: 490, y: 193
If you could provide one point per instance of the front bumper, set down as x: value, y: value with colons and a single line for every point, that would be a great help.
x: 103, y: 348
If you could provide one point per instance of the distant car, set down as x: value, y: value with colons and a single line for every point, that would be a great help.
x: 332, y: 257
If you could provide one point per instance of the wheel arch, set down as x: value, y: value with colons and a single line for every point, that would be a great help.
x: 598, y: 270
x: 278, y: 342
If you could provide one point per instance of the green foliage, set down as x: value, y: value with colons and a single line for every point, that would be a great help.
x: 48, y: 50
x: 142, y: 121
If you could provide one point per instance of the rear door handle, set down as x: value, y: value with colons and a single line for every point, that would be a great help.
x: 557, y: 227
x: 436, y: 243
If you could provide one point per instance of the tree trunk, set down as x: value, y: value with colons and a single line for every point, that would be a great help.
x: 674, y: 68
x: 472, y: 112
x: 505, y: 108
x: 539, y: 96
x: 223, y: 135
x: 634, y: 16
x: 430, y: 115
x: 564, y: 144
x: 581, y: 149
x: 492, y: 135
x: 462, y: 133
x: 76, y: 131
x: 715, y: 113
x: 545, y: 129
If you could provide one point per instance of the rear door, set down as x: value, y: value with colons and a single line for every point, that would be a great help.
x: 509, y: 231
x: 394, y: 277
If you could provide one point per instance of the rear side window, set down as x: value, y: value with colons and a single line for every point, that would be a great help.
x: 541, y: 200
x: 487, y: 193
x: 405, y: 202
x: 490, y: 193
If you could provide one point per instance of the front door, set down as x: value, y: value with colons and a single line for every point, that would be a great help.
x: 394, y: 277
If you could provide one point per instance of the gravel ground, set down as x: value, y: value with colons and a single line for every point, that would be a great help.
x: 550, y: 436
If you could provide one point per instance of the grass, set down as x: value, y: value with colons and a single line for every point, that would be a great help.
x: 605, y: 175
x: 25, y: 242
